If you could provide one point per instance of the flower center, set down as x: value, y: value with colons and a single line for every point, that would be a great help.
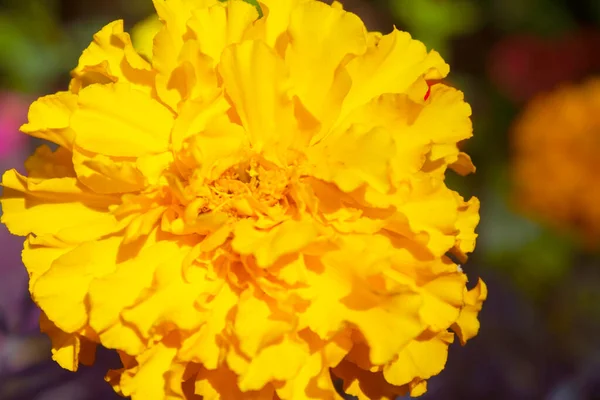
x: 241, y: 191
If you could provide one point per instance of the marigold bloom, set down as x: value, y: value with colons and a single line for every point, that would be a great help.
x: 556, y: 143
x: 256, y: 209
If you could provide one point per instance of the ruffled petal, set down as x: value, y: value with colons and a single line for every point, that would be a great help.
x: 322, y: 39
x: 222, y: 384
x: 199, y: 346
x: 221, y: 25
x: 419, y: 360
x: 112, y: 58
x: 254, y: 338
x: 106, y: 123
x: 267, y: 246
x: 66, y: 347
x: 146, y: 381
x: 61, y: 292
x: 468, y: 219
x: 168, y: 44
x: 139, y: 311
x: 49, y: 118
x: 467, y: 324
x: 376, y: 309
x: 253, y: 74
x: 104, y: 174
x: 392, y: 66
x: 364, y: 384
x: 277, y: 18
x: 56, y: 207
x: 143, y: 33
x: 313, y: 380
x: 354, y: 158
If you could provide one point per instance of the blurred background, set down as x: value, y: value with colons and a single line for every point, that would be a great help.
x: 524, y: 66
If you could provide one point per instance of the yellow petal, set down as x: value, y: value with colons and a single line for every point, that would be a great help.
x: 166, y: 51
x: 221, y: 25
x: 168, y: 43
x: 467, y: 325
x: 65, y: 346
x: 142, y: 35
x: 390, y: 67
x: 468, y: 218
x: 122, y: 289
x: 118, y: 120
x: 441, y: 287
x: 38, y: 259
x: 112, y: 58
x: 255, y: 79
x: 152, y: 166
x: 354, y: 158
x: 314, y: 380
x: 365, y: 385
x: 195, y: 76
x: 321, y: 38
x: 396, y: 114
x: 176, y: 13
x: 171, y: 302
x: 463, y: 165
x: 176, y: 382
x: 194, y: 117
x: 103, y: 174
x: 147, y: 381
x: 199, y: 347
x: 213, y: 143
x: 219, y: 147
x: 267, y: 365
x: 57, y: 207
x: 143, y: 224
x: 387, y: 318
x: 433, y: 211
x: 49, y: 118
x: 61, y: 292
x: 254, y: 337
x: 48, y: 164
x: 277, y: 17
x: 222, y: 383
x: 420, y: 359
x: 445, y: 120
x: 287, y: 238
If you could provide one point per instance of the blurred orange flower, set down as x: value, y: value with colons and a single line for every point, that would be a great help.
x: 556, y: 142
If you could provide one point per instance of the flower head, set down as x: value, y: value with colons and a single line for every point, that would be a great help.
x: 556, y: 142
x: 255, y: 211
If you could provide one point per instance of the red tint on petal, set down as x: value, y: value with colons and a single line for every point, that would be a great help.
x: 429, y: 85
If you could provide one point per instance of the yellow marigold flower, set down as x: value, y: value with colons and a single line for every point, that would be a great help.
x: 254, y: 210
x: 556, y: 144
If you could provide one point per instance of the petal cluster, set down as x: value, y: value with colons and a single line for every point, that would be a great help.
x: 252, y: 207
x: 555, y: 162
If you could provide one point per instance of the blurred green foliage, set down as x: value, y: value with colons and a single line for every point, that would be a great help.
x: 434, y: 22
x: 38, y: 48
x: 32, y: 46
